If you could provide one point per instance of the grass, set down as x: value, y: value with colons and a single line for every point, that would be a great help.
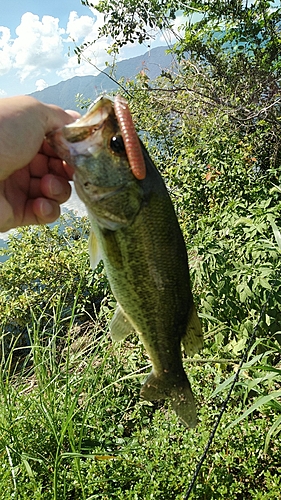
x: 72, y: 425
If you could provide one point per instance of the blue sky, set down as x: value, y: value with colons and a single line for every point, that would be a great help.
x: 35, y: 43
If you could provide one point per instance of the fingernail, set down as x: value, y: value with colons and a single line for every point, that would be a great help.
x: 55, y: 187
x: 46, y: 208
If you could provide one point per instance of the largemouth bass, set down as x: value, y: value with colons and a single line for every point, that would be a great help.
x: 134, y: 230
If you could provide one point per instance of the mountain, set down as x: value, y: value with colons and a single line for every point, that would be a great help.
x: 63, y: 94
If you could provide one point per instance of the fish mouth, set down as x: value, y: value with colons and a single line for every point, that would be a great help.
x: 80, y: 138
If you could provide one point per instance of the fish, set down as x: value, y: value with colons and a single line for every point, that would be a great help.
x: 135, y: 231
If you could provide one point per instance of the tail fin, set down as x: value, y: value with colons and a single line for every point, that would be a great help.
x: 184, y: 405
x: 180, y: 394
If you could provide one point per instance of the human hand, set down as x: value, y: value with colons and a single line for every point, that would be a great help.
x: 33, y: 180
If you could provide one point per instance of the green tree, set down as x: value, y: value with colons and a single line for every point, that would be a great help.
x: 234, y: 47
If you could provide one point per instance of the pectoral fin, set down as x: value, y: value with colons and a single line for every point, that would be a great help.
x: 94, y: 252
x: 193, y: 338
x: 120, y: 327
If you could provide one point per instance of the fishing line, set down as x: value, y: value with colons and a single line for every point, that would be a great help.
x: 225, y: 402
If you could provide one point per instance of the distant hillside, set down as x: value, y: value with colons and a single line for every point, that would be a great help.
x: 63, y: 94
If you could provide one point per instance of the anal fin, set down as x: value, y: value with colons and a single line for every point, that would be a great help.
x: 154, y: 388
x: 192, y: 340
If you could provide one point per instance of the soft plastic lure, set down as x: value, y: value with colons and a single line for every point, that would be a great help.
x: 130, y: 137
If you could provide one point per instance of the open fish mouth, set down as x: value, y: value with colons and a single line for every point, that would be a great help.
x: 80, y: 137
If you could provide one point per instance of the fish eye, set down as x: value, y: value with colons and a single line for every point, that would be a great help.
x: 117, y: 144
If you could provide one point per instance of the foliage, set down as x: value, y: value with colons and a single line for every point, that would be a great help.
x: 72, y: 425
x: 140, y: 17
x: 74, y: 428
x: 222, y: 34
x: 45, y: 267
x: 236, y: 270
x: 131, y: 21
x: 207, y: 160
x: 231, y: 50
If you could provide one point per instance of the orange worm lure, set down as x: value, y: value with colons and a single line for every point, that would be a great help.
x: 130, y: 138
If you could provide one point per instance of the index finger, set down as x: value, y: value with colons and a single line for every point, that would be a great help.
x: 47, y: 150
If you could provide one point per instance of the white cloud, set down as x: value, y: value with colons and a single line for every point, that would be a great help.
x: 38, y: 45
x: 99, y: 17
x: 80, y: 27
x: 39, y: 50
x: 93, y: 60
x: 3, y: 93
x: 82, y: 30
x: 5, y: 58
x: 5, y: 37
x: 41, y: 84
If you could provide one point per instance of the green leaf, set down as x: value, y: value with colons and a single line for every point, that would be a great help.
x: 239, y: 346
x: 274, y: 429
x: 261, y: 401
x: 223, y: 386
x: 276, y: 233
